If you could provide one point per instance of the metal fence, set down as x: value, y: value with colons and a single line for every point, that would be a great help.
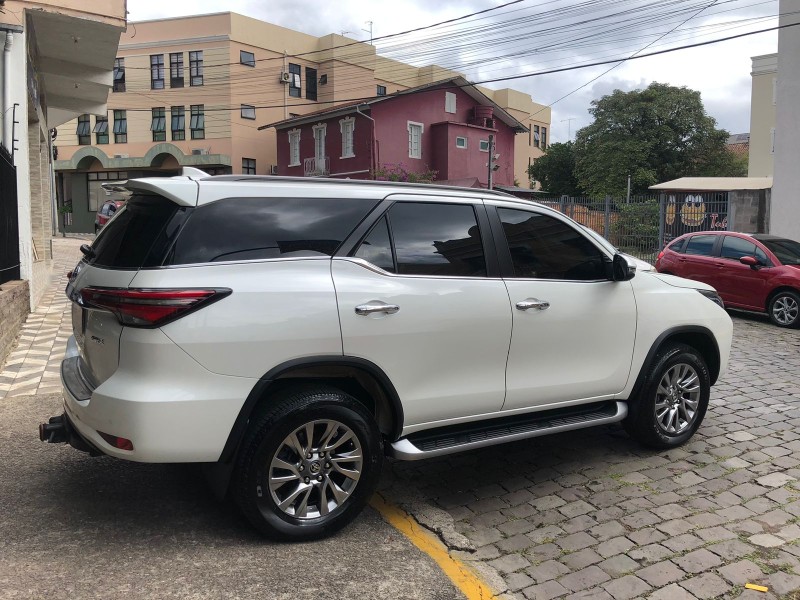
x: 643, y: 225
x: 9, y: 219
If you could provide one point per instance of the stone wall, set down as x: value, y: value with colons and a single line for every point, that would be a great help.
x: 14, y: 307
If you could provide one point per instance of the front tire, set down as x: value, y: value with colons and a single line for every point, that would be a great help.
x: 784, y: 309
x: 309, y: 463
x: 673, y: 400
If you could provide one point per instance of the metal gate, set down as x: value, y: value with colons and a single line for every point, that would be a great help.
x: 9, y: 219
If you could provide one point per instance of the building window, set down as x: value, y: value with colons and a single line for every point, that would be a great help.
x: 347, y: 127
x: 101, y: 130
x: 84, y: 130
x: 158, y: 125
x: 294, y: 148
x: 249, y: 166
x: 381, y: 90
x: 772, y: 141
x: 197, y: 123
x: 536, y: 136
x: 483, y: 145
x: 196, y: 67
x: 320, y: 133
x: 449, y: 102
x: 414, y: 140
x: 178, y: 123
x: 461, y: 142
x: 311, y: 83
x: 294, y: 80
x: 248, y: 112
x: 120, y: 127
x: 247, y: 58
x: 176, y: 70
x: 156, y: 71
x: 544, y: 138
x: 119, y: 74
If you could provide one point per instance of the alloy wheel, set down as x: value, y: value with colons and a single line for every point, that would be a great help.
x: 677, y: 399
x: 785, y: 310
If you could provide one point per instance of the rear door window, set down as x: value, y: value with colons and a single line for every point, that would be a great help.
x: 125, y: 242
x: 735, y: 248
x: 701, y: 245
x: 263, y: 228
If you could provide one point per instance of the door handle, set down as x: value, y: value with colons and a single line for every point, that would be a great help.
x: 533, y: 303
x: 376, y: 306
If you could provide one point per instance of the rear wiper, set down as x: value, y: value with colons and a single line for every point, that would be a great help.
x: 88, y: 251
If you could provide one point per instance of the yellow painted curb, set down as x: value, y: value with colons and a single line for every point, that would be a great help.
x: 460, y: 574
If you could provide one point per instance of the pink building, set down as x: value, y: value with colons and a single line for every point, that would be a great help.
x: 442, y: 127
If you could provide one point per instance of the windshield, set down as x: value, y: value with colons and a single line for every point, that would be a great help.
x: 787, y: 251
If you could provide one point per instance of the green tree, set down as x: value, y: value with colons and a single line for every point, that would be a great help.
x: 555, y: 170
x: 654, y: 135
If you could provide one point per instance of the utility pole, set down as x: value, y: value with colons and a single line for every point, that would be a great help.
x: 569, y: 127
x: 628, y: 197
x: 490, y: 164
x: 369, y: 30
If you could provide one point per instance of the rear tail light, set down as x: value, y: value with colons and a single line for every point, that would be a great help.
x: 150, y: 308
x: 660, y: 254
x: 116, y: 441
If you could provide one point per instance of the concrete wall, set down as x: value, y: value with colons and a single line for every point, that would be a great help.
x: 14, y: 307
x: 785, y: 211
x: 762, y: 115
x: 748, y: 211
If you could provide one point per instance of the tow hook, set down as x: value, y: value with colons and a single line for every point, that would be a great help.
x: 54, y: 431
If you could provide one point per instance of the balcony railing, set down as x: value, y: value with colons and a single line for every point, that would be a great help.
x: 316, y: 167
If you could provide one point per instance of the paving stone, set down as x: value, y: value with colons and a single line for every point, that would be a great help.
x: 547, y: 502
x: 607, y: 530
x: 774, y: 518
x: 596, y: 593
x: 547, y: 570
x: 783, y: 583
x: 683, y: 543
x: 715, y: 534
x: 697, y: 561
x: 576, y: 541
x: 549, y: 533
x: 620, y: 564
x: 514, y: 527
x: 545, y: 591
x: 741, y: 572
x: 790, y: 533
x: 640, y: 519
x: 766, y: 540
x: 775, y: 480
x: 581, y: 559
x: 671, y: 592
x: 660, y: 574
x: 748, y: 490
x: 573, y: 509
x: 509, y: 563
x: 517, y: 581
x: 580, y: 523
x: 675, y: 527
x: 481, y: 537
x: 731, y: 549
x: 516, y: 543
x: 544, y: 552
x: 586, y: 578
x: 614, y: 546
x: 645, y: 536
x: 650, y: 554
x: 626, y: 587
x: 707, y: 585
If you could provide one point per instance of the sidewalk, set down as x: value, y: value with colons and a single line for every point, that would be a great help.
x: 33, y: 365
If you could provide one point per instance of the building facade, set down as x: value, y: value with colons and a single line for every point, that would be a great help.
x: 440, y: 130
x: 785, y: 215
x: 190, y: 91
x: 57, y: 64
x: 764, y: 96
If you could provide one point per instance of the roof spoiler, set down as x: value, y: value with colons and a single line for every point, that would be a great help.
x: 193, y: 173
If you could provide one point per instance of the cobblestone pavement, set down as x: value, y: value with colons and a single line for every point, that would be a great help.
x: 590, y: 514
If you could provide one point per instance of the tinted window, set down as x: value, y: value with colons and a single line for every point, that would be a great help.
x: 437, y: 239
x: 676, y: 246
x: 259, y: 228
x: 700, y: 245
x: 125, y: 242
x: 787, y: 251
x: 543, y: 247
x: 377, y: 248
x: 735, y: 248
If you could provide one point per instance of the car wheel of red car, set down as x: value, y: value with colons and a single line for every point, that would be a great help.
x: 784, y: 309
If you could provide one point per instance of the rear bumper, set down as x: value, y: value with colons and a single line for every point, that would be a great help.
x: 170, y: 407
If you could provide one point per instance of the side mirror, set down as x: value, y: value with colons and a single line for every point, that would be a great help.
x: 750, y: 261
x: 621, y: 269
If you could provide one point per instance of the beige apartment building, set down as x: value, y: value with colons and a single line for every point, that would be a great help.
x: 192, y: 91
x: 763, y: 100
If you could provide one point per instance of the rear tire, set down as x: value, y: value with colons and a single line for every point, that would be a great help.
x: 309, y: 463
x: 784, y: 309
x: 673, y: 399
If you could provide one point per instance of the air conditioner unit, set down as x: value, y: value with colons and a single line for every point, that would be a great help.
x: 121, y: 156
x: 199, y: 151
x: 286, y: 77
x: 273, y: 169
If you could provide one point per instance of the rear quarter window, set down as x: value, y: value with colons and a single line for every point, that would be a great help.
x: 261, y: 228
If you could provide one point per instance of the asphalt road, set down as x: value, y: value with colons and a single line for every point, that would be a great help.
x: 77, y: 527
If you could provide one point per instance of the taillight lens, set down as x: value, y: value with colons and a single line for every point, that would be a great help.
x: 660, y: 254
x: 150, y: 308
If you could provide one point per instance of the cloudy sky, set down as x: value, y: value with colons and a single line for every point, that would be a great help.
x: 526, y: 37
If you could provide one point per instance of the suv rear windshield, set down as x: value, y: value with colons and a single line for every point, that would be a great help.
x: 125, y: 242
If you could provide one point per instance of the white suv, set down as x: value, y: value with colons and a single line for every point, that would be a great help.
x: 289, y: 332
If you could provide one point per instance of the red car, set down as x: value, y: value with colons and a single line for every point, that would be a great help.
x: 756, y: 272
x: 108, y: 210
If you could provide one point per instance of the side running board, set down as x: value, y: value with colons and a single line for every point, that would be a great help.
x: 457, y: 438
